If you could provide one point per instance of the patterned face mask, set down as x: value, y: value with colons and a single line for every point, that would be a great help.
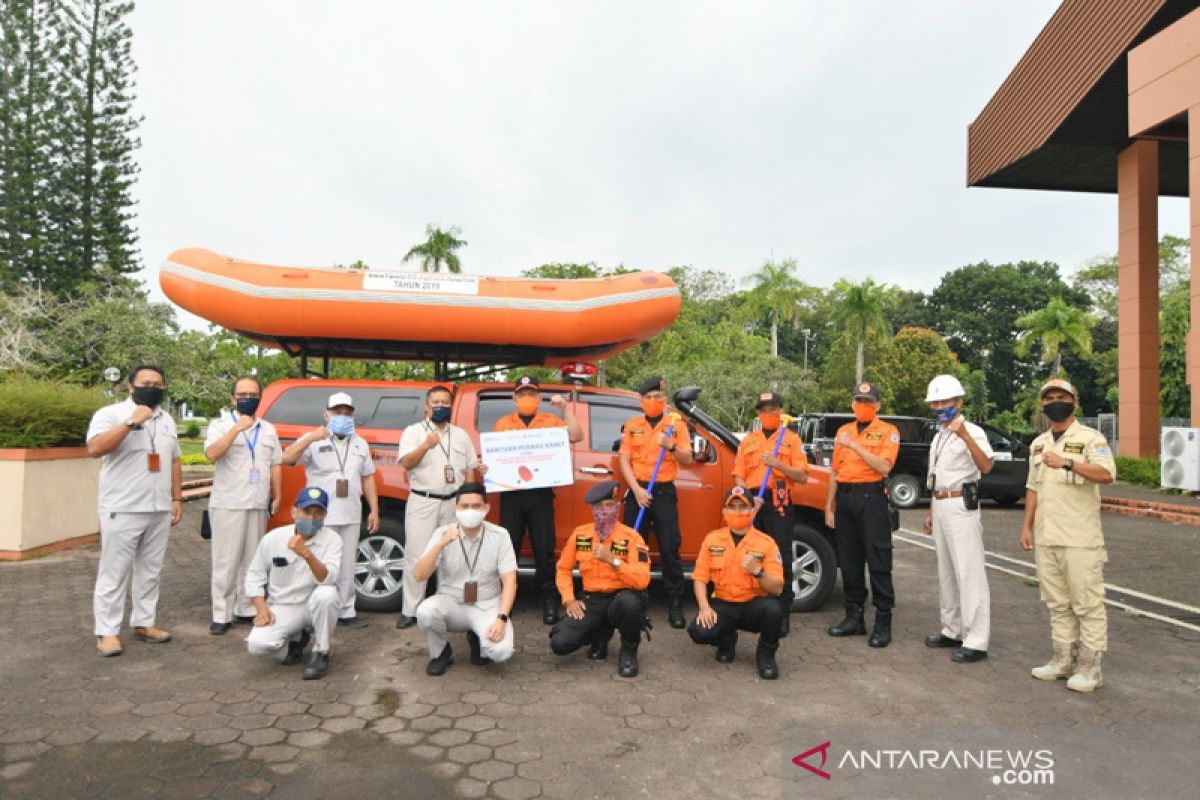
x: 605, y: 518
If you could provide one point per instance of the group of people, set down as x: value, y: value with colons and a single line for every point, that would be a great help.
x: 295, y: 584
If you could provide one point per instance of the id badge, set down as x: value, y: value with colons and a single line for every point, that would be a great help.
x: 470, y: 592
x: 449, y: 473
x: 254, y: 476
x: 153, y: 462
x: 341, y: 488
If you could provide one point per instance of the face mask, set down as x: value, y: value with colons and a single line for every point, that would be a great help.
x: 1059, y: 410
x: 738, y: 520
x: 440, y: 414
x: 527, y: 404
x: 341, y: 426
x: 605, y: 518
x: 246, y: 406
x: 308, y: 528
x: 948, y: 413
x: 652, y: 408
x: 148, y: 395
x: 864, y: 412
x: 769, y: 422
x: 470, y: 518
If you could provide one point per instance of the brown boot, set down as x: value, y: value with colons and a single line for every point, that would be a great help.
x: 1060, y: 665
x: 108, y: 646
x: 1087, y: 677
x: 152, y: 635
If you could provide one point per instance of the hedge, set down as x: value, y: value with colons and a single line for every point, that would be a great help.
x: 41, y: 413
x: 194, y: 459
x: 1142, y: 471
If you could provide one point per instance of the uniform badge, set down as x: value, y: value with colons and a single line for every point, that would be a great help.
x: 716, y: 550
x: 583, y: 543
x: 757, y: 555
x: 1103, y: 450
x: 1074, y: 448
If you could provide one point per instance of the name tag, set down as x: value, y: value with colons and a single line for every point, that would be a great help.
x: 254, y: 476
x: 583, y: 544
x: 1074, y: 448
x: 153, y: 462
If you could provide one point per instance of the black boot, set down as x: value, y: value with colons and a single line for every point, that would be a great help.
x: 881, y: 634
x: 784, y: 625
x: 477, y: 658
x: 317, y: 666
x: 550, y: 611
x: 627, y: 663
x: 404, y: 622
x: 852, y: 624
x: 438, y: 666
x: 598, y: 651
x: 675, y: 613
x: 295, y: 651
x: 726, y: 648
x: 764, y: 656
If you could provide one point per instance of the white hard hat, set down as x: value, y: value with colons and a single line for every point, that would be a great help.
x: 339, y: 399
x: 944, y: 387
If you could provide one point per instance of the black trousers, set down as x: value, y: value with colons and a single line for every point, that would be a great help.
x: 602, y: 612
x: 533, y: 509
x: 863, y: 530
x: 661, y: 518
x: 779, y: 527
x: 762, y: 615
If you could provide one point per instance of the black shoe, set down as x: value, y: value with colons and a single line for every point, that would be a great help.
x: 317, y: 666
x: 965, y: 655
x: 598, y: 651
x: 942, y: 641
x: 785, y: 624
x: 675, y: 615
x: 627, y: 664
x: 477, y: 658
x: 851, y: 625
x: 295, y: 653
x: 551, y: 612
x: 352, y: 622
x: 240, y: 620
x: 726, y: 649
x: 403, y: 623
x: 768, y: 670
x: 220, y: 628
x: 881, y: 634
x: 438, y: 666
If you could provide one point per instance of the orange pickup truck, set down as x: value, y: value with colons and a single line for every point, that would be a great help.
x: 383, y: 409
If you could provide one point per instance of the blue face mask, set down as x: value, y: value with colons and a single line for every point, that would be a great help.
x: 246, y: 406
x: 948, y: 413
x: 440, y: 414
x: 308, y: 527
x: 341, y: 426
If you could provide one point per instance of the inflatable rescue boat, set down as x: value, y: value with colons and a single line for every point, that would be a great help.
x: 350, y: 313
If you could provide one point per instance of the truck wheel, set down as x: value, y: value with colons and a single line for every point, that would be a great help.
x: 904, y: 491
x: 379, y: 566
x: 814, y: 569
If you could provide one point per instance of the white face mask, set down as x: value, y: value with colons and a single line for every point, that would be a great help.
x: 470, y: 518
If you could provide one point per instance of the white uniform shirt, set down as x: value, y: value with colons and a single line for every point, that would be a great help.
x: 324, y: 465
x: 126, y: 482
x: 456, y: 450
x: 294, y: 581
x: 232, y: 486
x: 950, y: 462
x: 494, y: 550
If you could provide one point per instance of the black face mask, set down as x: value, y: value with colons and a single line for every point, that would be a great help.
x: 246, y: 406
x: 1059, y: 410
x: 148, y: 395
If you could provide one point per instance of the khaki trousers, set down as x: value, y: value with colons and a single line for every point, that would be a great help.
x: 963, y: 597
x: 1072, y: 585
x: 422, y: 516
x: 235, y: 537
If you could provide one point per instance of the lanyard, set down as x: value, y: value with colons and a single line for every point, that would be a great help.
x: 151, y: 432
x: 443, y: 444
x: 478, y: 550
x: 343, y: 456
x: 250, y: 444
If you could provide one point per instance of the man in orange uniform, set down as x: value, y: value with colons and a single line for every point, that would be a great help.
x: 614, y: 563
x: 746, y: 572
x: 775, y: 516
x: 642, y: 439
x: 534, y: 508
x: 857, y: 509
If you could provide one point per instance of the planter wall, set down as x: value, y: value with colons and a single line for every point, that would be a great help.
x: 47, y: 500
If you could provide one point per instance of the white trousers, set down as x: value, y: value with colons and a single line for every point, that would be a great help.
x: 441, y: 614
x: 345, y: 582
x: 319, y: 614
x: 422, y: 516
x: 962, y: 576
x: 235, y: 537
x: 129, y: 542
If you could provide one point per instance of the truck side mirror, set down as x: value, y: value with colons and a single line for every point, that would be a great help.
x: 702, y: 451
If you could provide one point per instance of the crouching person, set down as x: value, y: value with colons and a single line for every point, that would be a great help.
x: 614, y: 563
x: 477, y: 584
x: 297, y: 567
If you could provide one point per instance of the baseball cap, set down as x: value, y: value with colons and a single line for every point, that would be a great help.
x: 867, y: 391
x: 601, y: 492
x: 767, y: 397
x: 1058, y: 383
x: 525, y: 382
x: 339, y: 399
x: 312, y: 496
x: 738, y: 491
x: 653, y: 384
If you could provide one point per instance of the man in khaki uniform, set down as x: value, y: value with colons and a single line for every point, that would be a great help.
x: 1062, y: 526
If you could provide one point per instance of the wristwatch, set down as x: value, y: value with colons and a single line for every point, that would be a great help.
x: 129, y: 423
x: 502, y: 617
x: 1069, y: 465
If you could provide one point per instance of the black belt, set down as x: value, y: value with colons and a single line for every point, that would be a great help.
x: 875, y: 486
x: 433, y: 496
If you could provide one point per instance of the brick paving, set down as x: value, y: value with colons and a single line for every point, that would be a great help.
x: 199, y: 718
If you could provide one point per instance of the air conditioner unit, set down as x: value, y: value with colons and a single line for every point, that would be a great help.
x: 1181, y: 458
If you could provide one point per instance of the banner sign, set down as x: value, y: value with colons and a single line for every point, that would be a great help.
x: 528, y: 459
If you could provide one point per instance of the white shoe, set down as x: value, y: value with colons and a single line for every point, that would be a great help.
x: 1087, y: 677
x: 1061, y: 664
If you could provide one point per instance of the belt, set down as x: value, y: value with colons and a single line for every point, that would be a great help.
x: 432, y: 496
x: 946, y: 494
x: 860, y: 487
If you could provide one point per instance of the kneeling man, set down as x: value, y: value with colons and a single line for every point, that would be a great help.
x: 477, y: 584
x: 297, y: 567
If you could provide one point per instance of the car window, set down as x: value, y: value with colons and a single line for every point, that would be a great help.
x: 495, y: 406
x: 998, y: 442
x: 387, y: 408
x: 606, y: 418
x: 300, y: 406
x: 393, y: 410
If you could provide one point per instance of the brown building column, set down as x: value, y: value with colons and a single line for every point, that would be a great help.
x: 1193, y: 355
x: 1137, y: 283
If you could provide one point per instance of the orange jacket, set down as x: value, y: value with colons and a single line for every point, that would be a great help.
x: 640, y: 442
x: 881, y: 438
x: 749, y: 467
x: 513, y: 422
x: 721, y: 562
x: 600, y: 576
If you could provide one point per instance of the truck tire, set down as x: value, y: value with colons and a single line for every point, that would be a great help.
x: 379, y: 566
x: 904, y: 491
x: 814, y: 568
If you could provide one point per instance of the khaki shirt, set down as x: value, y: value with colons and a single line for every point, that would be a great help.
x: 492, y: 553
x: 293, y: 582
x: 430, y: 474
x: 1068, y: 506
x: 326, y: 460
x: 126, y: 482
x: 950, y: 462
x: 232, y: 486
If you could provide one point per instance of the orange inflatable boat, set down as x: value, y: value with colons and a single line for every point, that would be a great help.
x: 421, y: 316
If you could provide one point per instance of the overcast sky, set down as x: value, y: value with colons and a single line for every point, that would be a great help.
x: 649, y: 134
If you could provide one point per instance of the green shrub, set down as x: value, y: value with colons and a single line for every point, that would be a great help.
x: 1142, y: 471
x: 192, y: 429
x: 42, y: 413
x: 193, y: 459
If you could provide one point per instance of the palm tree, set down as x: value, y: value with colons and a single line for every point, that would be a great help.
x: 776, y: 291
x: 438, y: 248
x: 860, y: 313
x: 1056, y: 326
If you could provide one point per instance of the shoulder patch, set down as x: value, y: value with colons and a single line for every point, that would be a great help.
x: 1103, y: 450
x: 895, y: 438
